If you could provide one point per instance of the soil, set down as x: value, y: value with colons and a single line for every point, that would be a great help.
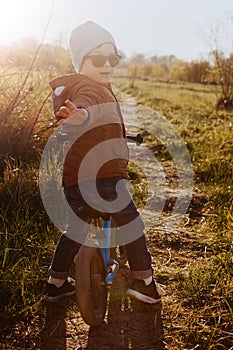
x: 130, y: 324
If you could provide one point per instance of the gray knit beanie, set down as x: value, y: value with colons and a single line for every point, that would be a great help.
x: 85, y: 38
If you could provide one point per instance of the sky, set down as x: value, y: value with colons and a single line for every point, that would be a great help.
x: 151, y: 27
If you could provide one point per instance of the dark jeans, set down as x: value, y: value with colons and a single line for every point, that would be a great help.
x: 129, y: 227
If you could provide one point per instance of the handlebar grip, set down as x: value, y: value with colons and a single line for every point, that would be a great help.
x: 137, y: 139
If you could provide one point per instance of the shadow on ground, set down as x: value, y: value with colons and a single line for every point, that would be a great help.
x: 128, y: 324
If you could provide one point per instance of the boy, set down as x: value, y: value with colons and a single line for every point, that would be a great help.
x: 89, y: 113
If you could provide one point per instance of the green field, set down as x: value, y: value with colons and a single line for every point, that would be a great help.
x: 198, y: 312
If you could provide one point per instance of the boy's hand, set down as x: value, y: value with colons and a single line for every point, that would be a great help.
x: 69, y: 110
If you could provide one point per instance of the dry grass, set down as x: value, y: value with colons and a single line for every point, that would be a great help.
x: 195, y: 262
x: 199, y: 311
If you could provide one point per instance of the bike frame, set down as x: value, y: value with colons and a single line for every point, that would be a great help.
x: 112, y: 265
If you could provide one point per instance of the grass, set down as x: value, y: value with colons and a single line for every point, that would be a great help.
x: 198, y: 261
x: 27, y: 237
x: 26, y: 113
x: 25, y: 231
x: 204, y: 285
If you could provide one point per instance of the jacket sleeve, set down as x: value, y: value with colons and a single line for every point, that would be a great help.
x: 83, y: 97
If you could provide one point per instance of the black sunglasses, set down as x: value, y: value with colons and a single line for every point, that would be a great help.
x: 100, y: 60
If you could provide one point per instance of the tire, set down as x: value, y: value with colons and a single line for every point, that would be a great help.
x: 119, y: 254
x: 91, y: 292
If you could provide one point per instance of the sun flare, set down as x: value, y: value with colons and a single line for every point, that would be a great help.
x: 16, y: 16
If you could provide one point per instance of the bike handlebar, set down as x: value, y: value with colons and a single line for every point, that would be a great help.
x: 137, y: 139
x: 62, y: 137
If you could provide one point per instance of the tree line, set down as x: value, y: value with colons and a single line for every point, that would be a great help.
x: 217, y: 70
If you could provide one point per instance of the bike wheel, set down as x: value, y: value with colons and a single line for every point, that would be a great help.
x: 119, y: 254
x: 91, y: 290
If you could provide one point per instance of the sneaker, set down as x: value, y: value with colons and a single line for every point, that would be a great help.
x: 53, y: 293
x: 150, y: 294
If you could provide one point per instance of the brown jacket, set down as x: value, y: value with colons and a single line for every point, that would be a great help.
x: 97, y: 148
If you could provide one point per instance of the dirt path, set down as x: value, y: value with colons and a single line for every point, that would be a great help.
x: 128, y: 324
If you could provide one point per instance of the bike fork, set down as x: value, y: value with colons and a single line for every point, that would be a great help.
x: 112, y: 265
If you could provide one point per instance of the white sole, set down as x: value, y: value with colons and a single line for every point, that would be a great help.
x: 146, y: 299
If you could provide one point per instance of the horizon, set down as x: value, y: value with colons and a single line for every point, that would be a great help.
x: 180, y: 28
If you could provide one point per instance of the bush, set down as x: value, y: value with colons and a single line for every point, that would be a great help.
x: 26, y: 241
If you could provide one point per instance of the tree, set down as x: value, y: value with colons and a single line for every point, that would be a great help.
x: 151, y: 70
x: 197, y: 71
x: 178, y: 70
x: 220, y: 42
x: 134, y: 64
x: 223, y: 73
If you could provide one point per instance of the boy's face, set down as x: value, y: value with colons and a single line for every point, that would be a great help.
x: 97, y: 67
